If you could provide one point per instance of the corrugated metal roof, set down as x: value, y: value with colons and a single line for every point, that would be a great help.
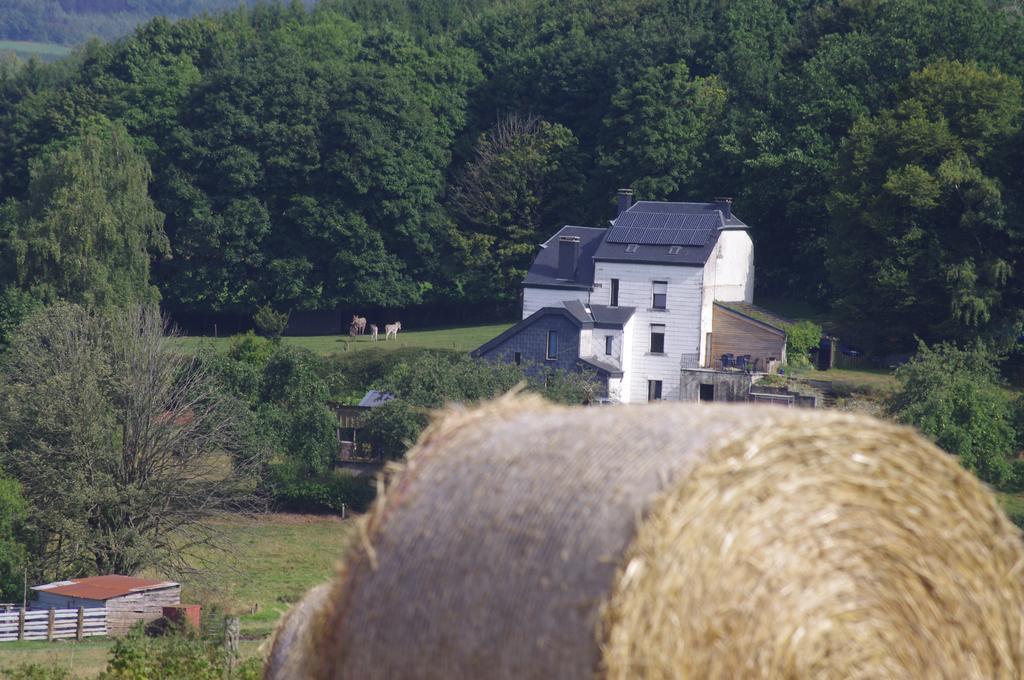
x: 103, y: 587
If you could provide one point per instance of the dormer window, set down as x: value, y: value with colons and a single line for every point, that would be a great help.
x: 674, y: 250
x: 632, y: 248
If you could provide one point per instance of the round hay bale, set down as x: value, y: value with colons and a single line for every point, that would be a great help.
x: 531, y: 541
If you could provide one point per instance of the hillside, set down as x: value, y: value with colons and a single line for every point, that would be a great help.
x: 70, y: 22
x: 391, y: 154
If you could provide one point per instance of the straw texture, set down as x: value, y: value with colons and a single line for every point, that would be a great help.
x: 530, y: 541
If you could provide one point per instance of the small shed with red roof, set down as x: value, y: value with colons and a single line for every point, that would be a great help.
x: 127, y: 599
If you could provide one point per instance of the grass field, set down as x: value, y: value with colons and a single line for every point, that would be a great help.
x: 876, y: 382
x: 270, y: 562
x: 463, y: 338
x: 34, y: 49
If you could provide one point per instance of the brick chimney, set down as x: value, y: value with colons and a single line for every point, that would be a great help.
x: 568, y: 257
x: 625, y: 200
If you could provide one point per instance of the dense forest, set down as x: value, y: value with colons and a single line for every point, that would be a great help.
x: 401, y: 153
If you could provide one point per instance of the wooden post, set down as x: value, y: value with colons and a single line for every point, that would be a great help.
x: 21, y: 623
x: 80, y: 630
x: 51, y: 619
x: 232, y: 631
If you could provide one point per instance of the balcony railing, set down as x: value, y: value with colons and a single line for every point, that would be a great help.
x: 742, y: 364
x: 689, y: 361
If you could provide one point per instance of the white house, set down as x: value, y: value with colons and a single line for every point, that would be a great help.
x: 636, y: 302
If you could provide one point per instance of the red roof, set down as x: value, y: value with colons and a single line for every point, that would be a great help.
x: 102, y: 587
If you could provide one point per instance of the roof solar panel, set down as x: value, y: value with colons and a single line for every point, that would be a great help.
x: 692, y: 237
x: 651, y: 220
x: 660, y: 237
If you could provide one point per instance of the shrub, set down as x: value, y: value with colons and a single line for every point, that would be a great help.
x: 955, y: 397
x: 178, y: 655
x: 250, y: 349
x: 801, y: 338
x: 269, y: 322
x: 35, y: 671
x: 329, y: 492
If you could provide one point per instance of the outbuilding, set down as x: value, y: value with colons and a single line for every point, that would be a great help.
x: 127, y: 599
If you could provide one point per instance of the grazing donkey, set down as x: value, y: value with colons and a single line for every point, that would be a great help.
x: 392, y: 329
x: 359, y: 324
x: 373, y: 331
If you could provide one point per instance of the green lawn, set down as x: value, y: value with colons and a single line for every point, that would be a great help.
x: 83, y: 659
x: 34, y: 49
x: 270, y: 562
x: 464, y: 338
x: 875, y: 382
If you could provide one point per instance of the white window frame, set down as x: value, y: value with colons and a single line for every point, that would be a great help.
x: 654, y: 295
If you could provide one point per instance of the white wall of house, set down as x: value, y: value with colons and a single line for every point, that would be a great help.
x: 627, y: 360
x: 586, y: 342
x: 733, y: 276
x: 615, y: 389
x: 538, y: 298
x: 681, y: 319
x: 597, y: 346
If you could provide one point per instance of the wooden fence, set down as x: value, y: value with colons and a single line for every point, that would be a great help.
x: 52, y: 624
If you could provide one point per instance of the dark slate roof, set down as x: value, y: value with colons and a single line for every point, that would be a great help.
x: 578, y: 310
x: 601, y: 316
x: 658, y: 232
x: 602, y: 366
x: 528, y: 321
x: 375, y: 398
x: 611, y: 317
x: 544, y: 270
x: 758, y: 314
x: 666, y: 233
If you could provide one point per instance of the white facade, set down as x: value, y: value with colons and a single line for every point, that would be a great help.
x: 537, y: 298
x: 687, y: 317
x: 681, y: 319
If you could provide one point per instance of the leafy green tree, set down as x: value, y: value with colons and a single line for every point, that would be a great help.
x: 956, y: 397
x: 12, y: 548
x: 436, y: 380
x: 921, y: 239
x: 124, y: 447
x: 656, y: 127
x: 293, y: 402
x: 88, y: 228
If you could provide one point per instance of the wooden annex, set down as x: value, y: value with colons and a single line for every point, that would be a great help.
x: 738, y: 332
x: 126, y: 600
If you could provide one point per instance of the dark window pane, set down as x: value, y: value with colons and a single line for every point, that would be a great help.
x: 653, y: 390
x: 608, y: 344
x: 552, y: 348
x: 660, y: 289
x: 657, y: 339
x: 615, y: 293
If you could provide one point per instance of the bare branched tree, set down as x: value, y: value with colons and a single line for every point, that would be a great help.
x: 125, y: 446
x: 504, y: 162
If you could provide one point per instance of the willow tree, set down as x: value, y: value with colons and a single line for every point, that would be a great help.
x: 125, y: 447
x: 87, y: 229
